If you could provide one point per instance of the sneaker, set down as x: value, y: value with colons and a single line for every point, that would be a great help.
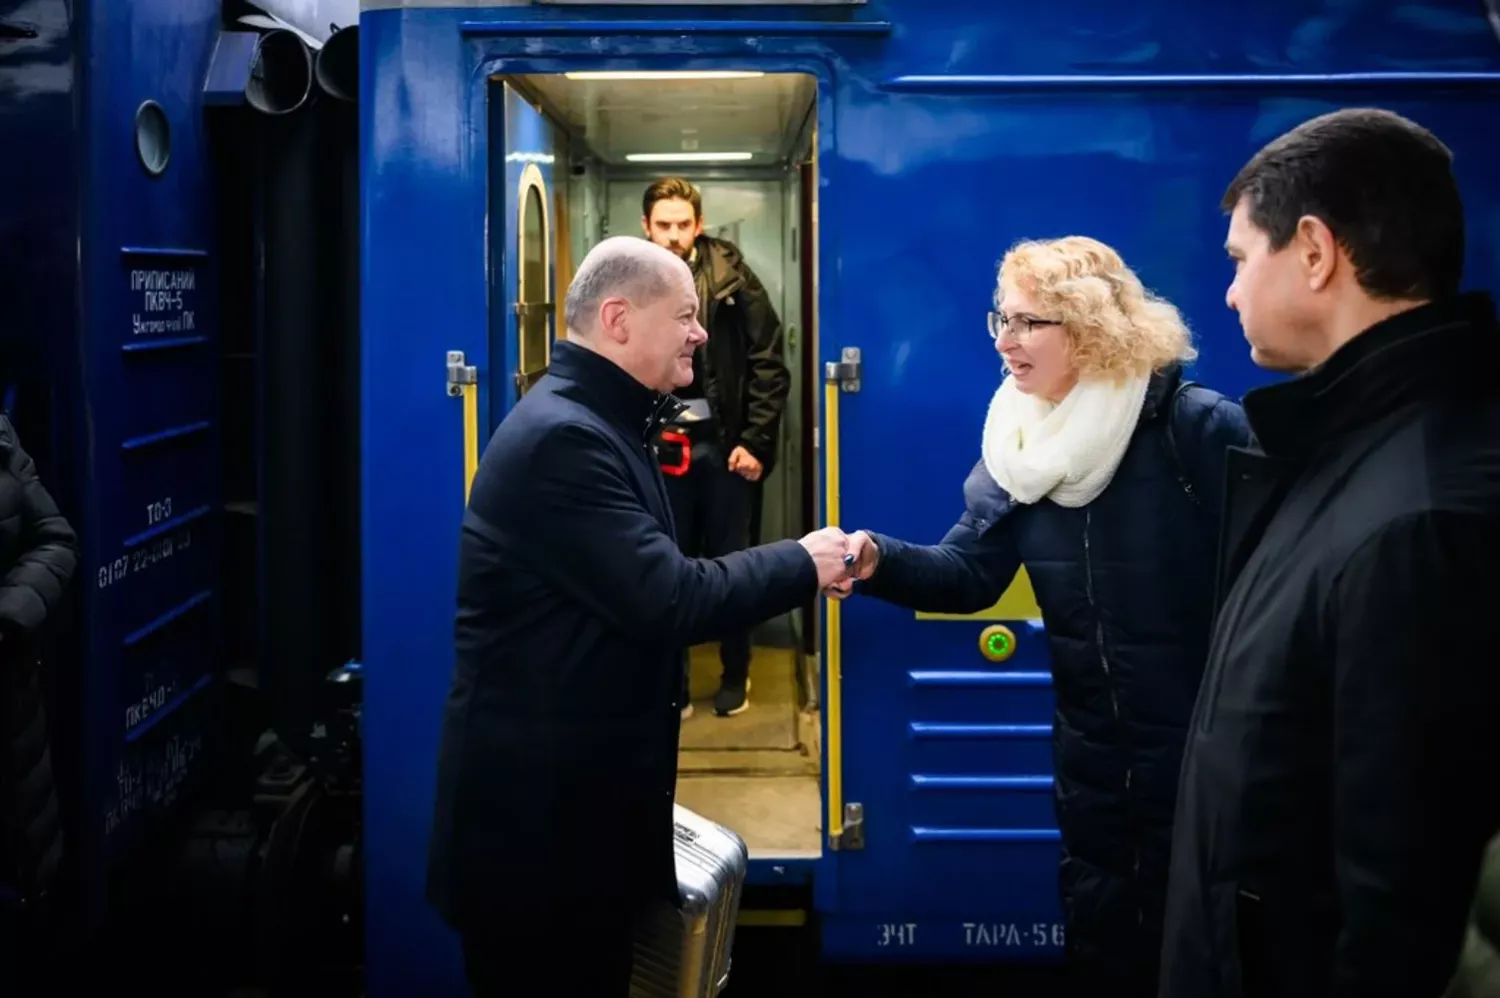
x: 732, y: 699
x: 687, y: 711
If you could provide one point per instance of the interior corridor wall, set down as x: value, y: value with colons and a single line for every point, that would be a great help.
x: 584, y: 189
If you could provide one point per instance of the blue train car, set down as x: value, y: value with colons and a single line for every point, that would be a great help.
x: 874, y: 160
x: 108, y: 257
x: 166, y: 328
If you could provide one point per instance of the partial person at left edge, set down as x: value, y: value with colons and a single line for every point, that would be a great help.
x: 38, y: 555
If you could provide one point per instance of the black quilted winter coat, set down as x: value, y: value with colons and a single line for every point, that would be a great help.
x: 1125, y: 585
x: 38, y: 555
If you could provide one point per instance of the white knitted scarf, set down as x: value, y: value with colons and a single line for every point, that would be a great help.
x: 1067, y: 451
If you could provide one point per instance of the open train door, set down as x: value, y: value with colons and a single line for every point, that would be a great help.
x: 524, y: 315
x: 523, y: 306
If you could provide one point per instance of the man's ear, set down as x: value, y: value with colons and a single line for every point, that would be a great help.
x: 613, y: 319
x: 645, y: 226
x: 1317, y: 251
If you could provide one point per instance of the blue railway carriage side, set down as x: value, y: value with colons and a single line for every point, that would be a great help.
x: 109, y: 264
x: 944, y: 133
x: 165, y: 327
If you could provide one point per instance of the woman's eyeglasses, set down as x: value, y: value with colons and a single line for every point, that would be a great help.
x: 1020, y: 326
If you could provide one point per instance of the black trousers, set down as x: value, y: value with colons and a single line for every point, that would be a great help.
x: 580, y: 953
x: 711, y: 506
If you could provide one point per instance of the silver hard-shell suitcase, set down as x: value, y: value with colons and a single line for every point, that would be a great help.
x: 685, y: 954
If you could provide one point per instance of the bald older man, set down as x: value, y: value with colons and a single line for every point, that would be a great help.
x: 558, y: 760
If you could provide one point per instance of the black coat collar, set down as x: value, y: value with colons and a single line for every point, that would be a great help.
x: 1425, y: 352
x: 617, y: 395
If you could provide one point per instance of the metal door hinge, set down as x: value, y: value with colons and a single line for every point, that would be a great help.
x: 526, y: 380
x: 459, y: 373
x: 844, y: 372
x: 853, y: 835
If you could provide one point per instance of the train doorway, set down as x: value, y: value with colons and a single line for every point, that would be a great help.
x: 580, y: 150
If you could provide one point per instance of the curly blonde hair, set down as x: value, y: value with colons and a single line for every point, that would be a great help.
x: 1116, y: 327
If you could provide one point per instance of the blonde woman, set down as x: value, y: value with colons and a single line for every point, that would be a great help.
x: 1101, y: 471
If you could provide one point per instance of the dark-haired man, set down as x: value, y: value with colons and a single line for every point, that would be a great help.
x: 1338, y: 783
x: 725, y: 442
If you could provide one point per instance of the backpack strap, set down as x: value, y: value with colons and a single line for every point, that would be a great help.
x: 1169, y: 439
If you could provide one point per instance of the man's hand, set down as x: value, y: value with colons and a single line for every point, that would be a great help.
x: 866, y: 557
x: 744, y: 464
x: 829, y: 549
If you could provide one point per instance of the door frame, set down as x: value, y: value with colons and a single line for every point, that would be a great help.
x: 511, y: 49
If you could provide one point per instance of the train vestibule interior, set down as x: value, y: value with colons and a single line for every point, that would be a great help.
x: 747, y: 140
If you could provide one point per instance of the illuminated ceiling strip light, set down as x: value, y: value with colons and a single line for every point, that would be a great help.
x: 688, y: 157
x: 644, y: 74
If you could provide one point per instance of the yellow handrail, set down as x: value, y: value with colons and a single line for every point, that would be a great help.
x: 471, y: 436
x: 834, y: 706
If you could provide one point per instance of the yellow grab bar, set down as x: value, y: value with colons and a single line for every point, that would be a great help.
x: 471, y: 436
x: 834, y: 707
x: 463, y: 383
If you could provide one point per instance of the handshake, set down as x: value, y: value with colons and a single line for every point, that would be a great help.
x: 841, y: 558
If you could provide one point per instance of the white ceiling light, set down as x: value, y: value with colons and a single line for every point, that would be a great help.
x: 688, y: 157
x: 645, y: 74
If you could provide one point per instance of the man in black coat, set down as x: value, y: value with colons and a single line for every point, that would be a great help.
x: 558, y: 762
x: 1339, y: 781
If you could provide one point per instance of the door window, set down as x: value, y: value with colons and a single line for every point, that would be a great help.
x: 533, y: 309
